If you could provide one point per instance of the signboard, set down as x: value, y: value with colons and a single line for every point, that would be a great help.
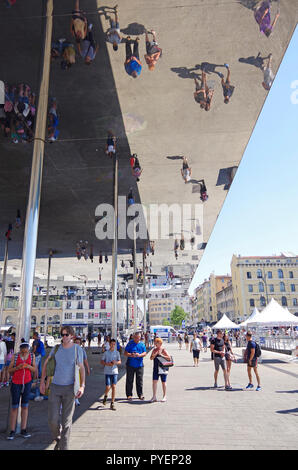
x: 183, y: 324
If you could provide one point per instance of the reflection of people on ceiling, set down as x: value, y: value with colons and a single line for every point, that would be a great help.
x: 263, y: 17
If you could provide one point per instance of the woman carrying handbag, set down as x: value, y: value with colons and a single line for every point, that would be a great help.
x: 158, y: 369
x: 229, y: 356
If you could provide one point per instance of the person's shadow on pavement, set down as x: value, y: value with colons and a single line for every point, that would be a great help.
x: 256, y: 61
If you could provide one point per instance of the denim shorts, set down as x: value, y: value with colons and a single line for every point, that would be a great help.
x: 1, y: 366
x: 156, y: 376
x: 17, y: 391
x: 111, y: 379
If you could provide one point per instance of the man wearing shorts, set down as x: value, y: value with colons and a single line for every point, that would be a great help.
x: 200, y: 93
x: 252, y: 361
x: 153, y: 52
x: 113, y: 33
x: 226, y: 86
x: 186, y: 170
x: 111, y: 359
x: 195, y: 348
x: 78, y: 25
x: 268, y: 74
x: 218, y: 349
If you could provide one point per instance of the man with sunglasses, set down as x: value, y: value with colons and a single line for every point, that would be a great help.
x: 62, y: 394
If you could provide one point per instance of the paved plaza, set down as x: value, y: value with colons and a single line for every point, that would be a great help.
x: 196, y: 416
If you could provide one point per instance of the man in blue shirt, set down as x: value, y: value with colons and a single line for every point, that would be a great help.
x: 135, y: 351
x: 132, y: 63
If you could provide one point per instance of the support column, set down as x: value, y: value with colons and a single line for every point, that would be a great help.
x: 144, y: 293
x: 32, y: 216
x: 135, y: 308
x: 47, y: 298
x: 3, y: 282
x: 115, y: 252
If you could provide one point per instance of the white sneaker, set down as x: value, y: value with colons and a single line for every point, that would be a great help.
x: 38, y: 398
x: 164, y: 399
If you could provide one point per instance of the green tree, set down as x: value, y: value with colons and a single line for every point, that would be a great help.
x: 166, y: 322
x: 177, y: 316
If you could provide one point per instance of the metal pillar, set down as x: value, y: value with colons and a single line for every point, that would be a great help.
x: 47, y: 298
x: 144, y: 293
x: 127, y: 308
x: 114, y: 252
x: 135, y: 307
x: 3, y: 281
x: 32, y: 216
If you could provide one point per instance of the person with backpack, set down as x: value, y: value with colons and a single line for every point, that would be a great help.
x: 153, y: 52
x: 21, y: 368
x: 66, y: 365
x: 39, y: 351
x: 251, y: 355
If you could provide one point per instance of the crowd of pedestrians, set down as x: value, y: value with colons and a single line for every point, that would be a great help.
x: 63, y: 377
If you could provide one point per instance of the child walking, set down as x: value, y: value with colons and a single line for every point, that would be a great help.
x: 111, y: 360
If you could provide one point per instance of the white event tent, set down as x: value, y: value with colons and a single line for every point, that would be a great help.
x: 274, y: 315
x: 225, y: 324
x: 254, y: 313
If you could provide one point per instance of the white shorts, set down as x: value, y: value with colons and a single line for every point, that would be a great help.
x: 111, y: 149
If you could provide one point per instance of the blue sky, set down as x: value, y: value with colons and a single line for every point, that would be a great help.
x: 260, y: 213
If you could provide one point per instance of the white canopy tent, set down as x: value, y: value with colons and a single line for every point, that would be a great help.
x: 225, y: 324
x: 253, y: 315
x: 274, y: 315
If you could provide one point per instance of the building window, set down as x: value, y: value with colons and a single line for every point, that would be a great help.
x: 68, y: 304
x: 295, y: 303
x: 79, y: 316
x: 248, y: 275
x: 250, y: 288
x: 282, y: 287
x: 284, y: 302
x: 259, y: 274
x: 251, y: 302
x: 291, y: 274
x: 262, y: 302
x: 271, y: 287
x: 68, y: 316
x: 261, y: 287
x: 269, y: 274
x: 280, y: 274
x: 293, y: 288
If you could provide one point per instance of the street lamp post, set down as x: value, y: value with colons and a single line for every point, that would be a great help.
x: 47, y: 298
x: 4, y: 280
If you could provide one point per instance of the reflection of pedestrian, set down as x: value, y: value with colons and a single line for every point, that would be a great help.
x: 111, y: 144
x: 153, y: 52
x: 78, y: 25
x: 186, y: 170
x: 203, y: 94
x: 182, y: 243
x: 132, y: 62
x: 226, y: 86
x: 268, y: 74
x: 135, y: 167
x: 263, y: 18
x: 203, y: 191
x: 53, y: 122
x: 113, y: 34
x: 88, y: 47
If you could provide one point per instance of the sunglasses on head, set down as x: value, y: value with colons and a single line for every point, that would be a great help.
x: 65, y: 334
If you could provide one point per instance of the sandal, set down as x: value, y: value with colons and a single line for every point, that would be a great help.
x: 142, y: 397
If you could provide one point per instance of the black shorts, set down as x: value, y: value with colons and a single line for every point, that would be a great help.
x: 253, y: 363
x: 196, y: 353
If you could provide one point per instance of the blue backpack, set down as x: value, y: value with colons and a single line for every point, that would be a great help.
x: 41, y: 350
